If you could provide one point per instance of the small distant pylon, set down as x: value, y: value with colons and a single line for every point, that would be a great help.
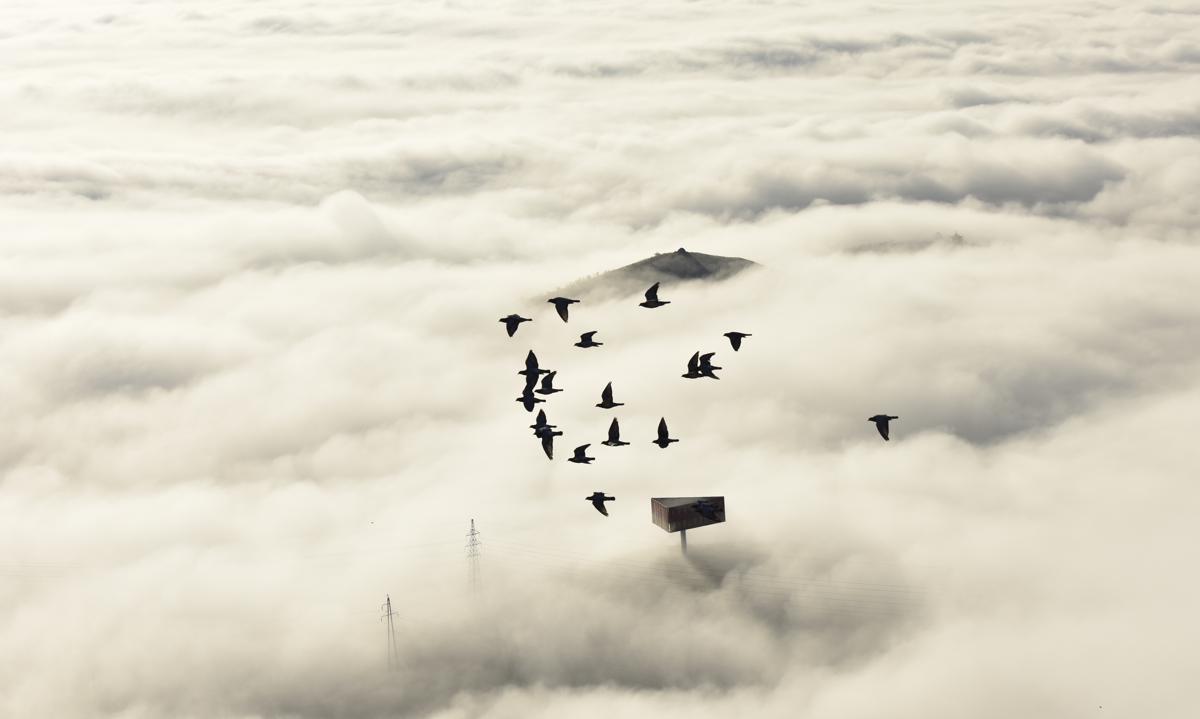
x: 393, y: 652
x: 473, y: 545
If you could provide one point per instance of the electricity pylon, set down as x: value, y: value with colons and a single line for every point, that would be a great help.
x: 393, y: 652
x: 473, y: 544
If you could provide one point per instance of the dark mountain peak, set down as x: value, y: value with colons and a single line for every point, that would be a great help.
x: 669, y: 268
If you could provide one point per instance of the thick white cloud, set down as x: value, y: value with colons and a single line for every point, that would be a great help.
x: 253, y: 257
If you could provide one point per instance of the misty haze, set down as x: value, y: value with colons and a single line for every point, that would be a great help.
x: 896, y: 315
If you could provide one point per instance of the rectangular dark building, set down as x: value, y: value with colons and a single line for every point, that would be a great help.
x: 676, y: 513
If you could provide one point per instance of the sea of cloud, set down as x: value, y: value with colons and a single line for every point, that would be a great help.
x: 251, y: 261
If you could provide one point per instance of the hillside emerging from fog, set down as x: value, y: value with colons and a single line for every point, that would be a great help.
x: 665, y: 267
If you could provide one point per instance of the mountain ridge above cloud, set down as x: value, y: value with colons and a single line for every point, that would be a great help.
x: 668, y: 268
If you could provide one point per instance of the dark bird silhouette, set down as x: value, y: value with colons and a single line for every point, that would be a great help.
x: 707, y: 367
x: 606, y: 400
x: 652, y: 300
x: 585, y: 340
x: 581, y: 455
x: 598, y: 499
x: 560, y: 305
x: 527, y: 400
x: 547, y: 435
x: 548, y: 384
x: 540, y: 422
x: 531, y: 370
x: 663, y: 440
x: 881, y: 423
x: 693, y: 367
x: 705, y: 509
x: 614, y: 435
x: 735, y: 339
x: 512, y: 322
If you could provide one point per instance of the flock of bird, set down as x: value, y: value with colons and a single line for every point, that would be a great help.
x: 540, y: 381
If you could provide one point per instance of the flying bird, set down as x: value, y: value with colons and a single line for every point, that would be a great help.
x: 581, y: 455
x: 606, y: 400
x: 614, y: 435
x: 881, y: 423
x: 548, y: 384
x: 735, y: 339
x: 693, y: 367
x: 663, y: 440
x: 531, y: 370
x: 707, y: 367
x: 652, y: 300
x: 706, y: 509
x: 547, y: 435
x: 598, y: 499
x: 560, y: 305
x: 585, y: 340
x: 527, y: 400
x: 512, y: 322
x: 540, y: 422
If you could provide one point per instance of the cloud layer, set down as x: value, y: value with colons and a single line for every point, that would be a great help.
x: 253, y: 257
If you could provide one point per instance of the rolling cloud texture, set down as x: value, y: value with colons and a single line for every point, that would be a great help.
x: 254, y: 253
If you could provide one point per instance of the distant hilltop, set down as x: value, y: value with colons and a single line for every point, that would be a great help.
x: 668, y: 268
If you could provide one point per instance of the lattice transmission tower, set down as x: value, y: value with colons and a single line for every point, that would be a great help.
x: 393, y: 652
x: 473, y: 545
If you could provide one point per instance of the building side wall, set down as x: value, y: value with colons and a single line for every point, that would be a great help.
x: 682, y: 516
x: 659, y: 515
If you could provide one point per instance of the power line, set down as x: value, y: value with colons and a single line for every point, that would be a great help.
x: 814, y: 604
x: 204, y: 555
x: 884, y: 590
x: 848, y: 597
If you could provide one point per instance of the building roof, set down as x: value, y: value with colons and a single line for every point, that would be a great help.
x: 678, y: 501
